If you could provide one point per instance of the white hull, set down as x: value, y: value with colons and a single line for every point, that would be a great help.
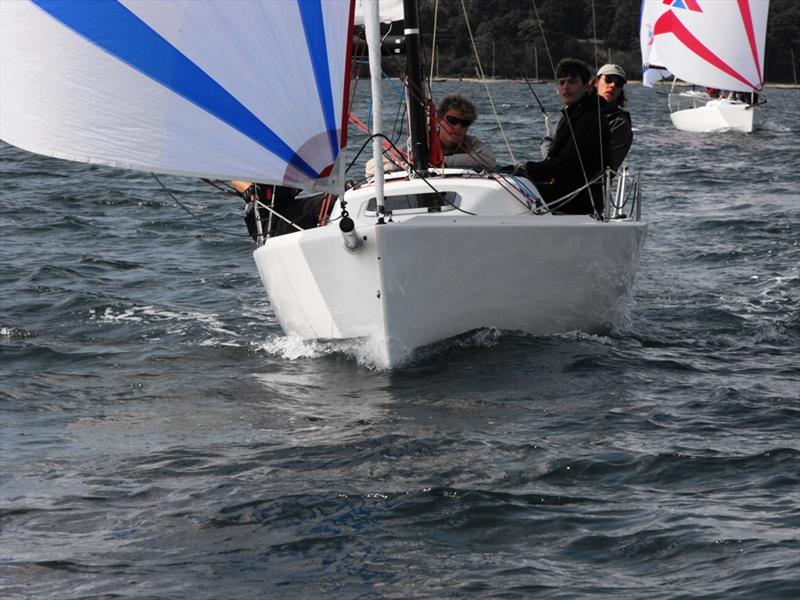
x: 426, y: 277
x: 717, y: 115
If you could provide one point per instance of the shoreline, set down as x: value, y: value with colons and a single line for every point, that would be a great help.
x: 786, y: 86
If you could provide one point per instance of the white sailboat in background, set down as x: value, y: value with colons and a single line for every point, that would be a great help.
x: 715, y: 44
x: 405, y: 260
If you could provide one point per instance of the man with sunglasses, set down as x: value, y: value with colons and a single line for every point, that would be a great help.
x: 580, y: 149
x: 610, y: 86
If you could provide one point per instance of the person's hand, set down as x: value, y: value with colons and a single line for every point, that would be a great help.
x: 549, y: 126
x: 387, y: 166
x: 517, y: 169
x: 370, y: 167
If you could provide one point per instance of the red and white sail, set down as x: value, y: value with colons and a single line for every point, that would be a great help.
x: 713, y: 43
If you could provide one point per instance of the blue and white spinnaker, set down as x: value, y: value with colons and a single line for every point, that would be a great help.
x: 250, y: 90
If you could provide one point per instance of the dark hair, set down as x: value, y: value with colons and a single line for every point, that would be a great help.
x: 621, y: 100
x: 572, y: 67
x: 460, y: 103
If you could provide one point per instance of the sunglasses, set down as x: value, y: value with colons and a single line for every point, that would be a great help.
x: 456, y: 121
x: 615, y: 79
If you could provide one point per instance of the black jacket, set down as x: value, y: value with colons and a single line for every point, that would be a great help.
x: 619, y: 121
x: 561, y: 172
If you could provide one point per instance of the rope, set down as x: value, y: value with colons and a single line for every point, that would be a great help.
x: 418, y: 174
x: 221, y: 186
x: 599, y: 111
x: 544, y: 39
x: 415, y: 95
x: 566, y: 115
x: 192, y: 214
x: 569, y: 196
x: 279, y: 215
x: 486, y: 85
x: 433, y: 42
x: 536, y: 97
x: 516, y: 182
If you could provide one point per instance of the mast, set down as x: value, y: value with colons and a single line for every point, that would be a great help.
x: 373, y: 34
x: 416, y: 96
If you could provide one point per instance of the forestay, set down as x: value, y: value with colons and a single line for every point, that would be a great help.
x: 250, y: 90
x: 707, y: 42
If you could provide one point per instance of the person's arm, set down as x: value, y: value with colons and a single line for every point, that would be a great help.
x: 566, y: 165
x: 621, y: 139
x: 241, y: 186
x: 388, y: 166
x: 480, y: 156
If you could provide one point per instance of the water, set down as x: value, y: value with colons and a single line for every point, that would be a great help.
x: 162, y: 439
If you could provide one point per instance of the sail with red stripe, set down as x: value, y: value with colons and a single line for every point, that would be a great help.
x: 712, y: 43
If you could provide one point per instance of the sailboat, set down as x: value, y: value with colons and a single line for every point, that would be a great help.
x: 259, y: 91
x: 713, y: 44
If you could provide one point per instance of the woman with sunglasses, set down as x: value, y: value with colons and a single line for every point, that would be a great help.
x: 610, y: 85
x: 460, y: 150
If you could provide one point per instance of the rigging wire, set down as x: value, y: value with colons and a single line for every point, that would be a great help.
x: 417, y: 95
x: 360, y: 59
x: 434, y: 54
x: 599, y: 108
x: 222, y: 186
x: 486, y: 85
x: 533, y: 91
x: 565, y: 113
x: 544, y: 39
x: 192, y: 214
x: 414, y: 95
x: 411, y: 167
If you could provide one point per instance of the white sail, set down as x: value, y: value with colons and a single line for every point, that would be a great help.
x: 713, y: 43
x: 224, y: 89
x: 652, y: 63
x: 652, y: 75
x: 388, y: 10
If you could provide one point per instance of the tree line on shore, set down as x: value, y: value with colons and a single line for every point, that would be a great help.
x: 510, y: 44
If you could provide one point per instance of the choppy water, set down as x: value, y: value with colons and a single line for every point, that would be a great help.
x: 162, y: 439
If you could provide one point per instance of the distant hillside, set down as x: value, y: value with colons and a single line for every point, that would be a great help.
x: 510, y: 42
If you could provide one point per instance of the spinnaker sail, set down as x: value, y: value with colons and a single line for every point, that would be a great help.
x: 713, y: 43
x: 137, y: 84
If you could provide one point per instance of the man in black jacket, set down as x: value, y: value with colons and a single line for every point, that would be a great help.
x: 580, y: 149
